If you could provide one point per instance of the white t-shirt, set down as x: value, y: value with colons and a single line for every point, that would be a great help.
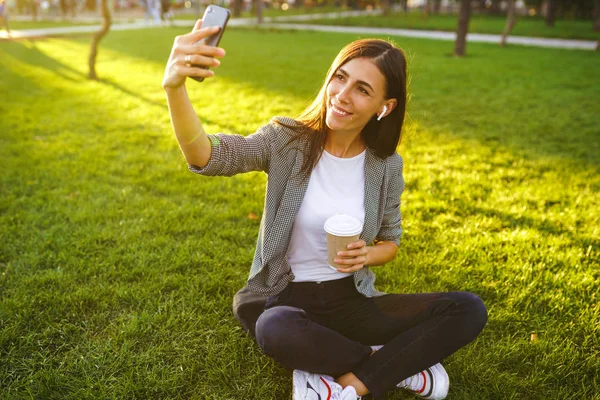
x: 336, y: 185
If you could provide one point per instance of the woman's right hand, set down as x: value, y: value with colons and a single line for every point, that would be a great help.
x: 187, y: 57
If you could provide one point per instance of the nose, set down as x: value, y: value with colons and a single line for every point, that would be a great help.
x: 342, y: 95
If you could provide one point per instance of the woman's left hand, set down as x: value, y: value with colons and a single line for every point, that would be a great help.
x: 354, y: 258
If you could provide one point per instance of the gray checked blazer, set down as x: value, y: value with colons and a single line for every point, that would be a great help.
x: 267, y: 150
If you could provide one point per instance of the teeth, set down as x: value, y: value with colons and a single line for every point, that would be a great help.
x: 337, y: 110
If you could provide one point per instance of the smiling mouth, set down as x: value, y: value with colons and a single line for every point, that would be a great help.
x: 338, y: 111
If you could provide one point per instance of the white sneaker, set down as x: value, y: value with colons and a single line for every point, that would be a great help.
x: 432, y: 384
x: 309, y: 386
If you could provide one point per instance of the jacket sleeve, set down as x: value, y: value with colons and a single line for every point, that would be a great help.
x: 391, y: 225
x: 234, y: 154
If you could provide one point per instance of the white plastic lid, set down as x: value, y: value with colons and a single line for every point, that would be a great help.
x: 343, y: 225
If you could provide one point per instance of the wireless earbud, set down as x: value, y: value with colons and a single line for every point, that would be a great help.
x: 382, y: 113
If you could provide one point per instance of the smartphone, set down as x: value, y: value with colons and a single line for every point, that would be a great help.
x: 213, y: 16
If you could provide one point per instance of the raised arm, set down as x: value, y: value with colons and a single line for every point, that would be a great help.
x: 190, y: 135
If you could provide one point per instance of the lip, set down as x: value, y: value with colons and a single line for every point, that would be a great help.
x: 335, y: 109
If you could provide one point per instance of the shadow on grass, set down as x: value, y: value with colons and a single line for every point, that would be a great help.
x: 511, y: 98
x: 28, y: 53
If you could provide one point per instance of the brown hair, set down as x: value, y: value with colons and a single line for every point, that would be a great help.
x: 382, y: 136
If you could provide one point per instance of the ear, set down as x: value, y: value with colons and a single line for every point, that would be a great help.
x: 391, y: 104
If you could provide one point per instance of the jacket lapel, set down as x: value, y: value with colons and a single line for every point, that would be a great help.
x: 295, y: 189
x: 374, y: 171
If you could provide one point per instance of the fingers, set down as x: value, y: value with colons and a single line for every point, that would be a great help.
x: 353, y: 260
x: 210, y: 51
x: 352, y: 268
x: 194, y: 71
x: 359, y: 249
x: 357, y: 245
x: 350, y: 260
x: 197, y: 25
x: 196, y: 34
x: 202, y: 33
x: 352, y: 253
x: 199, y: 61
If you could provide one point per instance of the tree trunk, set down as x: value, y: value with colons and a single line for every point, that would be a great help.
x: 464, y: 14
x: 404, y: 5
x: 34, y: 10
x: 237, y: 8
x: 481, y: 6
x: 97, y: 38
x: 551, y: 13
x: 597, y: 16
x: 63, y: 8
x: 259, y: 16
x: 510, y: 22
x: 386, y: 6
x: 495, y: 8
x: 437, y: 4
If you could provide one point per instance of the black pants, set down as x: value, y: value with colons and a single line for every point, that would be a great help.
x: 328, y: 328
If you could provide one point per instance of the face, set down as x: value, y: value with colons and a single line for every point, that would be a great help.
x: 355, y: 94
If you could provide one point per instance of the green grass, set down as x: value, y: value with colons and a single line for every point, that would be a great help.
x: 118, y: 266
x: 22, y: 25
x: 272, y: 12
x: 479, y: 23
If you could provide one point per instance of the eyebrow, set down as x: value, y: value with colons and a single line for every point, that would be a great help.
x: 361, y: 82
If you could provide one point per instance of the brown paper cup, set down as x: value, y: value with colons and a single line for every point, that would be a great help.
x: 338, y: 243
x: 341, y: 229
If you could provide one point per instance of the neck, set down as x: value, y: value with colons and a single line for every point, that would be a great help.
x: 344, y: 144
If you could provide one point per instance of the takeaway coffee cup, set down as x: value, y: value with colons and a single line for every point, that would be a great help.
x: 341, y: 229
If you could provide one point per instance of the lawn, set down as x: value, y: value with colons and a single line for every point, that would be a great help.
x: 479, y: 23
x: 270, y: 12
x: 22, y: 25
x: 118, y: 266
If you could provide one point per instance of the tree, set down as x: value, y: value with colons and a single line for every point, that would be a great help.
x: 597, y: 16
x: 551, y: 13
x: 404, y: 5
x: 259, y: 16
x: 510, y: 22
x: 597, y: 22
x: 237, y: 8
x: 386, y: 6
x: 495, y: 7
x: 34, y: 10
x: 464, y: 14
x: 107, y: 21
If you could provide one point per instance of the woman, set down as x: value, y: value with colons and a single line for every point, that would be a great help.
x: 339, y: 156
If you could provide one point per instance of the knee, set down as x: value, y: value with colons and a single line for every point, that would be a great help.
x: 275, y: 327
x: 476, y: 311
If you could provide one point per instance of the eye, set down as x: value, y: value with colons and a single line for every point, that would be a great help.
x: 363, y: 90
x: 339, y: 76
